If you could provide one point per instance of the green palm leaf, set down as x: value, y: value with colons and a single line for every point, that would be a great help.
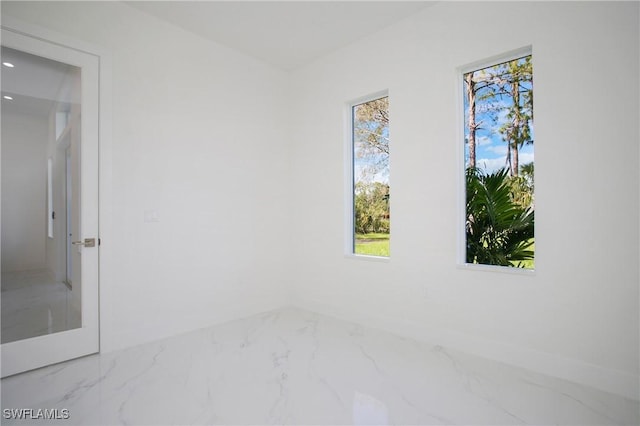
x: 499, y: 231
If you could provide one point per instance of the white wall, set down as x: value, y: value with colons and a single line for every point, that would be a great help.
x: 197, y: 134
x: 201, y: 134
x: 24, y: 186
x: 56, y: 246
x: 577, y: 317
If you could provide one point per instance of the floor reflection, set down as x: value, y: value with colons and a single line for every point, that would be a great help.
x: 369, y: 411
x: 293, y: 367
x: 35, y: 304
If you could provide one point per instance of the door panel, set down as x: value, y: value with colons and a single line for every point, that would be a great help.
x: 44, y: 320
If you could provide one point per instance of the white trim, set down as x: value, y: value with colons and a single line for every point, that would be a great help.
x: 27, y: 354
x: 44, y: 34
x: 50, y: 197
x: 497, y: 269
x: 496, y: 59
x: 349, y: 242
x: 461, y: 251
x: 348, y: 180
x: 461, y: 246
x: 368, y: 258
x: 103, y: 55
x: 609, y: 380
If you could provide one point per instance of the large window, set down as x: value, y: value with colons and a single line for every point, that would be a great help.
x: 370, y: 183
x: 499, y: 164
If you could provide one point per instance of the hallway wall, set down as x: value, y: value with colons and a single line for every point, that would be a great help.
x: 24, y: 186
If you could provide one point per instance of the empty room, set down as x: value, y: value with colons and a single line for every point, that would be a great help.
x: 320, y: 212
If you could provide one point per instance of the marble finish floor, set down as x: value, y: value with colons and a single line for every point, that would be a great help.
x: 34, y: 304
x: 295, y: 367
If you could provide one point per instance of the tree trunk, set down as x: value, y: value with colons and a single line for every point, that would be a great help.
x: 517, y: 130
x: 514, y: 160
x: 471, y: 99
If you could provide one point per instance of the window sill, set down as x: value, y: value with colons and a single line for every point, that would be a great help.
x: 498, y: 269
x: 367, y: 258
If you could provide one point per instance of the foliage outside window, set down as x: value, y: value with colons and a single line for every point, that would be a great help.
x: 499, y: 164
x: 371, y: 213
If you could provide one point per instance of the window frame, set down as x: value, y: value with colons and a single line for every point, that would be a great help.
x: 461, y: 255
x: 50, y: 211
x: 349, y: 178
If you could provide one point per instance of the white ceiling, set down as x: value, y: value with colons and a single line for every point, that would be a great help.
x: 286, y: 34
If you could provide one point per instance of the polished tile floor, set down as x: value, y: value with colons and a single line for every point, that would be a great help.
x: 34, y: 304
x: 295, y: 367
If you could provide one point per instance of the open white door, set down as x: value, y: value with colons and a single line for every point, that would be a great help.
x: 53, y: 88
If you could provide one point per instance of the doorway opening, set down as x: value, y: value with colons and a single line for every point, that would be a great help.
x: 37, y: 174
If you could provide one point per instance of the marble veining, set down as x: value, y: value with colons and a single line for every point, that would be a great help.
x: 296, y: 367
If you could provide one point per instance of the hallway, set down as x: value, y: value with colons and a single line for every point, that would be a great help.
x: 34, y: 304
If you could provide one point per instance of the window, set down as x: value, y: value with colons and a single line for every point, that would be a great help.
x: 369, y: 187
x: 50, y: 197
x: 499, y: 164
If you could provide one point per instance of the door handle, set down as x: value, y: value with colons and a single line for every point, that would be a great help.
x: 88, y: 242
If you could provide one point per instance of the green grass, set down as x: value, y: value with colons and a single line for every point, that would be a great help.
x: 528, y: 264
x: 378, y: 245
x: 372, y: 244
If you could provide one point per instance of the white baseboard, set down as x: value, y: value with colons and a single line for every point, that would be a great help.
x: 608, y: 380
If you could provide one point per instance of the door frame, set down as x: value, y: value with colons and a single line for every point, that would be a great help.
x: 102, y: 197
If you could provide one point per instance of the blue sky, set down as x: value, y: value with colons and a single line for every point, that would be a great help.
x: 364, y: 167
x: 491, y: 150
x: 363, y: 170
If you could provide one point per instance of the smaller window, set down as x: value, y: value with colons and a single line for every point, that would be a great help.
x: 370, y: 190
x: 50, y: 197
x: 62, y: 120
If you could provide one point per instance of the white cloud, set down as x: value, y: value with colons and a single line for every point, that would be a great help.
x: 499, y: 149
x: 490, y: 165
x: 525, y: 157
x: 483, y: 140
